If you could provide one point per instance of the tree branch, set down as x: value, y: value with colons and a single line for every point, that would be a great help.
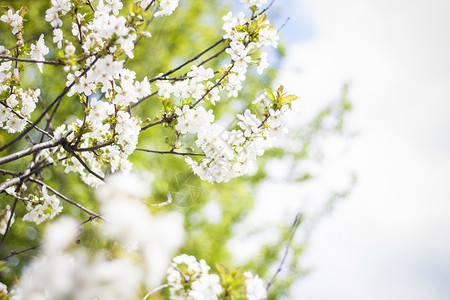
x: 187, y: 62
x: 87, y: 167
x: 93, y: 148
x: 214, y: 86
x: 163, y: 120
x: 48, y: 62
x: 33, y: 149
x: 170, y: 152
x: 297, y: 221
x: 14, y: 253
x: 65, y: 198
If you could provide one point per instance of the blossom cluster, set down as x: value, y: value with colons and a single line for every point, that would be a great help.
x: 18, y: 104
x: 192, y: 88
x: 230, y: 153
x: 189, y: 279
x: 166, y: 7
x: 59, y: 8
x: 245, y: 40
x: 246, y: 36
x: 107, y: 120
x: 5, y: 215
x: 38, y: 51
x: 15, y: 20
x: 254, y: 287
x: 250, y: 3
x: 42, y: 208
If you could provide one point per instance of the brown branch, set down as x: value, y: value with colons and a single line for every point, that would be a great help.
x: 265, y: 9
x: 170, y: 152
x: 93, y: 148
x: 22, y: 177
x: 48, y: 62
x: 187, y: 62
x: 213, y: 56
x: 7, y: 172
x: 151, y: 3
x: 87, y: 167
x: 214, y: 86
x: 165, y: 119
x: 143, y: 99
x: 33, y: 149
x: 88, y: 2
x: 14, y: 253
x: 79, y: 27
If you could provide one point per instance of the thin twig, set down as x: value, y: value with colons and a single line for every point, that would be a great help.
x: 34, y: 37
x: 214, y: 86
x: 91, y: 218
x: 155, y: 290
x: 170, y: 152
x: 284, y: 24
x: 21, y: 198
x: 297, y: 221
x: 93, y: 148
x: 143, y: 99
x: 14, y: 253
x: 28, y: 121
x: 151, y: 3
x: 187, y: 62
x: 48, y: 62
x: 163, y: 120
x: 65, y: 198
x: 265, y: 9
x: 87, y: 167
x: 214, y: 56
x: 7, y: 172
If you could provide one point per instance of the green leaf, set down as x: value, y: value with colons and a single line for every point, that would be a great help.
x: 262, y: 19
x: 270, y: 94
x: 241, y: 28
x: 222, y: 270
x: 288, y: 98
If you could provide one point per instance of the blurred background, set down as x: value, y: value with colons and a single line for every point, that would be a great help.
x: 390, y: 239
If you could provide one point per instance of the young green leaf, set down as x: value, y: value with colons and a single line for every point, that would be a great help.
x: 288, y: 98
x: 270, y: 94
